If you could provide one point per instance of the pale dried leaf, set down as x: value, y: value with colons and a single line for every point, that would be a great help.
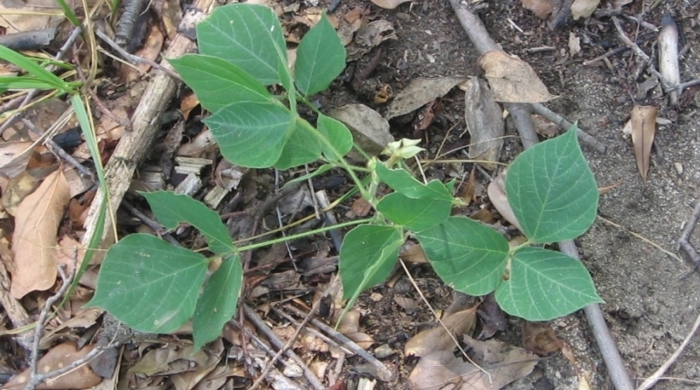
x: 413, y: 253
x: 497, y: 195
x: 189, y: 379
x: 513, y: 80
x: 584, y: 381
x: 58, y: 357
x: 484, y: 119
x: 437, y: 339
x: 369, y: 129
x: 14, y: 157
x: 583, y: 8
x: 22, y: 185
x: 420, y: 92
x: 389, y: 4
x: 643, y: 128
x: 541, y: 8
x: 574, y: 44
x: 34, y: 241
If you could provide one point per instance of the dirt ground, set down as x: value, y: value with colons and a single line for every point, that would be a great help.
x: 649, y: 305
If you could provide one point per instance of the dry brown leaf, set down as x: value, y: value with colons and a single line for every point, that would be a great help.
x: 389, y: 4
x: 502, y: 362
x: 361, y: 207
x: 437, y: 339
x: 58, y: 357
x: 484, y: 119
x: 574, y: 44
x: 540, y: 338
x: 189, y: 379
x: 544, y: 126
x: 497, y: 196
x: 643, y: 122
x: 150, y: 50
x: 541, y: 8
x: 513, y: 80
x: 34, y: 241
x: 22, y: 185
x: 420, y: 92
x: 413, y: 253
x: 583, y: 8
x: 369, y: 129
x: 14, y: 157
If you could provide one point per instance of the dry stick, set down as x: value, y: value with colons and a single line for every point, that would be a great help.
x: 651, y: 381
x: 59, y: 151
x: 566, y: 125
x: 145, y: 124
x: 684, y: 243
x: 260, y: 324
x: 312, y: 331
x: 387, y: 376
x: 616, y: 369
x: 30, y: 95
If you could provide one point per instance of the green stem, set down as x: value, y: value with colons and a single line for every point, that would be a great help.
x: 305, y: 234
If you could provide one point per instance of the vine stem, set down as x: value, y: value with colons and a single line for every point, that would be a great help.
x: 305, y: 234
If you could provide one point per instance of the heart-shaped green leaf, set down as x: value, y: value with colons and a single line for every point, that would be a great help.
x: 252, y: 134
x: 552, y: 190
x: 217, y: 82
x: 320, y: 58
x: 148, y: 284
x: 544, y: 285
x: 171, y: 208
x: 247, y: 35
x: 466, y: 255
x: 218, y: 301
x: 367, y: 256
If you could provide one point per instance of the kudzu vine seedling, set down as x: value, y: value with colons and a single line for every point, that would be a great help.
x: 154, y: 286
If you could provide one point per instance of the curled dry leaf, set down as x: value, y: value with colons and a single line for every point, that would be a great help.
x: 369, y: 129
x: 389, y: 4
x: 643, y: 128
x: 497, y: 196
x: 544, y: 126
x: 437, y: 338
x: 583, y: 8
x: 484, y: 119
x: 540, y: 338
x: 420, y: 92
x: 513, y: 80
x: 58, y: 357
x: 541, y: 8
x: 34, y: 241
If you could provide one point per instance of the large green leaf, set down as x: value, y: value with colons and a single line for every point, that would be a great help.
x: 552, y: 190
x: 171, y: 208
x: 148, y: 284
x: 252, y: 134
x: 544, y: 285
x: 414, y: 214
x: 217, y: 82
x: 217, y: 303
x: 301, y: 148
x: 466, y: 255
x: 249, y: 36
x: 337, y: 134
x: 320, y: 58
x: 367, y: 256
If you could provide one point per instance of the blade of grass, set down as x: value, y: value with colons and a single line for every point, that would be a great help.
x: 69, y: 13
x: 34, y: 69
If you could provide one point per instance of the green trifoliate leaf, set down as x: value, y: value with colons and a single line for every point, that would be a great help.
x: 337, y: 134
x: 301, y: 148
x: 320, y: 58
x: 552, y: 190
x: 544, y: 285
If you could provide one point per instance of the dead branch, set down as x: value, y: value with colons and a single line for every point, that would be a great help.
x: 618, y: 374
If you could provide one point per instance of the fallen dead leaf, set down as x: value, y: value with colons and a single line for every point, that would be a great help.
x: 492, y: 317
x: 583, y: 8
x: 497, y: 195
x: 540, y: 338
x: 513, y: 80
x: 420, y: 92
x: 361, y: 207
x: 57, y: 357
x: 369, y: 129
x: 574, y: 44
x: 484, y: 119
x: 389, y: 4
x: 22, y: 185
x: 541, y: 8
x: 34, y: 241
x: 413, y: 253
x: 14, y: 157
x: 643, y: 127
x: 544, y: 126
x: 437, y: 338
x: 502, y: 364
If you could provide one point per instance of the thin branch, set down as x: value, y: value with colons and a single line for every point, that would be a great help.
x: 59, y: 151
